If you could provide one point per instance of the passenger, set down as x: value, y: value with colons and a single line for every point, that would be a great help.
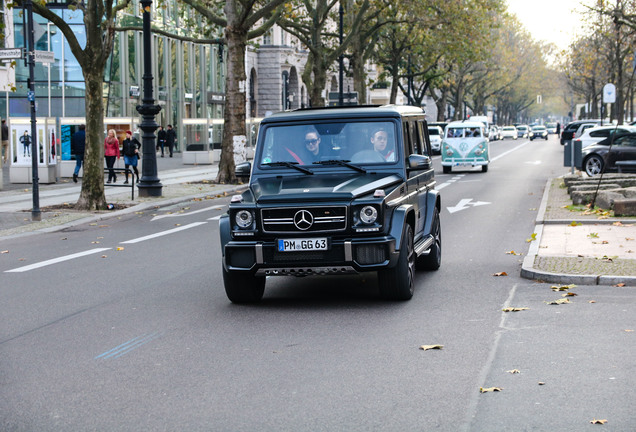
x: 310, y: 152
x: 380, y: 139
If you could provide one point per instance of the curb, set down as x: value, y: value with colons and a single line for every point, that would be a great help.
x: 529, y: 272
x: 136, y: 208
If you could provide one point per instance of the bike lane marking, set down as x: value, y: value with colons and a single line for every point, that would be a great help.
x: 163, y: 233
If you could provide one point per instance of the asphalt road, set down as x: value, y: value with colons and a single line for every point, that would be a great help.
x: 143, y: 338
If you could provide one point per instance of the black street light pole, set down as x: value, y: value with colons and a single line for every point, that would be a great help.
x: 149, y: 184
x: 35, y: 148
x: 341, y: 61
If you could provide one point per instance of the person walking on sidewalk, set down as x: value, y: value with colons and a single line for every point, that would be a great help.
x: 161, y: 139
x: 171, y: 137
x: 130, y: 148
x: 111, y: 151
x: 79, y: 145
x: 5, y: 141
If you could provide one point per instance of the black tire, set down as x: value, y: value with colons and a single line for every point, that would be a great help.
x: 446, y: 169
x: 398, y: 283
x: 433, y: 260
x: 484, y: 168
x: 593, y: 165
x: 243, y: 287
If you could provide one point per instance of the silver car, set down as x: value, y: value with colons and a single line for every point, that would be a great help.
x: 435, y: 134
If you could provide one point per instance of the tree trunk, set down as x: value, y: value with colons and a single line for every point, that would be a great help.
x: 92, y: 194
x: 319, y: 84
x: 235, y: 83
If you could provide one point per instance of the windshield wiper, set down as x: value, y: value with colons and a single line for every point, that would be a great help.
x: 341, y: 163
x: 289, y: 165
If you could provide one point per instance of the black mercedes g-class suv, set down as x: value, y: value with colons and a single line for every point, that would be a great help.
x: 335, y: 191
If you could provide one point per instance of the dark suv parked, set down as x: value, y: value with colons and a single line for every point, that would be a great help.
x: 335, y: 191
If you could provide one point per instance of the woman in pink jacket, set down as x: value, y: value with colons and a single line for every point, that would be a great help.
x: 111, y: 151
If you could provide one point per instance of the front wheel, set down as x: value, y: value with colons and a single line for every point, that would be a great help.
x: 593, y: 165
x: 446, y: 169
x: 398, y: 283
x: 243, y: 287
x: 484, y: 168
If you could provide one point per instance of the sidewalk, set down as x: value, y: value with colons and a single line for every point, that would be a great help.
x: 572, y: 247
x: 180, y: 183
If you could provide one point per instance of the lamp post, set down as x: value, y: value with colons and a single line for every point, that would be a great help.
x: 149, y: 184
x: 36, y: 215
x: 341, y: 59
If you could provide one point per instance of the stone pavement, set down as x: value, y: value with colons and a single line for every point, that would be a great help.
x: 574, y: 246
x: 569, y: 247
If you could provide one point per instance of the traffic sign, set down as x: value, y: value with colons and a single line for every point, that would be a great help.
x: 11, y: 53
x: 44, y: 56
x: 609, y: 93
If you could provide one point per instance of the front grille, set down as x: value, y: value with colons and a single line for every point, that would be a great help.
x: 335, y: 254
x: 304, y: 219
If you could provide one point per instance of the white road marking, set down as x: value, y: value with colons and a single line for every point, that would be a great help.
x: 215, y: 217
x: 464, y: 204
x: 56, y: 260
x: 216, y: 207
x: 163, y: 233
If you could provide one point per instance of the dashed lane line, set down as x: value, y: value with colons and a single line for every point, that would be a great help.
x: 56, y: 260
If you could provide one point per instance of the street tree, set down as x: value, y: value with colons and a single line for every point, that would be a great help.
x: 99, y: 23
x: 243, y: 20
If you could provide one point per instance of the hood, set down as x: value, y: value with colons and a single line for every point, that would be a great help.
x: 337, y: 186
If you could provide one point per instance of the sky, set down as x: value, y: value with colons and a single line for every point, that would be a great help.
x: 548, y: 20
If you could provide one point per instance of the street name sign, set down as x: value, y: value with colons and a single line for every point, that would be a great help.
x: 44, y: 56
x: 11, y: 53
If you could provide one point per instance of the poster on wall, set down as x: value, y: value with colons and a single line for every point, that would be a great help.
x: 51, y: 144
x: 24, y: 147
x: 66, y: 141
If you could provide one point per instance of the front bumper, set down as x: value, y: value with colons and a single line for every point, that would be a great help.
x: 343, y: 256
x: 458, y: 162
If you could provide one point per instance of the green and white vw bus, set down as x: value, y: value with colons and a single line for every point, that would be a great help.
x: 465, y: 144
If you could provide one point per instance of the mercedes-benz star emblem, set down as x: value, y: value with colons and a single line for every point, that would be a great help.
x: 303, y: 220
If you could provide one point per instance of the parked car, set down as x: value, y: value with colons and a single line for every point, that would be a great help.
x: 582, y: 128
x: 334, y: 191
x: 538, y: 131
x: 509, y: 132
x: 523, y: 131
x: 435, y: 134
x: 599, y: 157
x: 570, y: 129
x: 599, y: 133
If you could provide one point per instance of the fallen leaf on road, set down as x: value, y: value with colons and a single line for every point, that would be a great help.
x: 120, y: 248
x: 64, y: 238
x: 5, y: 251
x: 562, y: 287
x: 629, y: 330
x: 575, y: 223
x: 514, y: 309
x: 621, y: 284
x: 490, y: 389
x: 104, y: 256
x: 558, y: 302
x: 601, y: 422
x: 569, y: 294
x: 514, y: 371
x: 501, y: 274
x: 93, y: 224
x: 532, y: 238
x: 94, y: 242
x: 22, y: 259
x: 103, y: 226
x: 592, y: 301
x: 430, y: 347
x: 512, y: 253
x: 541, y: 383
x: 177, y: 224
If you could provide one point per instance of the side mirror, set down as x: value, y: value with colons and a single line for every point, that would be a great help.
x: 243, y: 170
x: 420, y: 162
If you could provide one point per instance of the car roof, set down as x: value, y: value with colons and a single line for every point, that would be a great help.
x: 467, y: 123
x: 596, y: 128
x: 335, y: 113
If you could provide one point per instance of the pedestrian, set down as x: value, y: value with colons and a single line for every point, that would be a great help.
x: 79, y: 145
x: 161, y: 139
x: 171, y: 137
x: 25, y: 139
x: 558, y: 131
x: 111, y: 152
x: 5, y: 141
x: 130, y: 147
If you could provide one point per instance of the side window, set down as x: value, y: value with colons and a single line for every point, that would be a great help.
x: 600, y: 134
x: 415, y: 138
x: 407, y: 139
x: 425, y: 143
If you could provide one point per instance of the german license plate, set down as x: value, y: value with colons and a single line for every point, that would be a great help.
x: 295, y: 245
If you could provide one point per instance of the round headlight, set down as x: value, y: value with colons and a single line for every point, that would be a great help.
x: 368, y: 214
x: 244, y: 219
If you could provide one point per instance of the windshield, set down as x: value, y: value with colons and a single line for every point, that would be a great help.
x: 433, y: 131
x: 463, y: 132
x: 309, y: 144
